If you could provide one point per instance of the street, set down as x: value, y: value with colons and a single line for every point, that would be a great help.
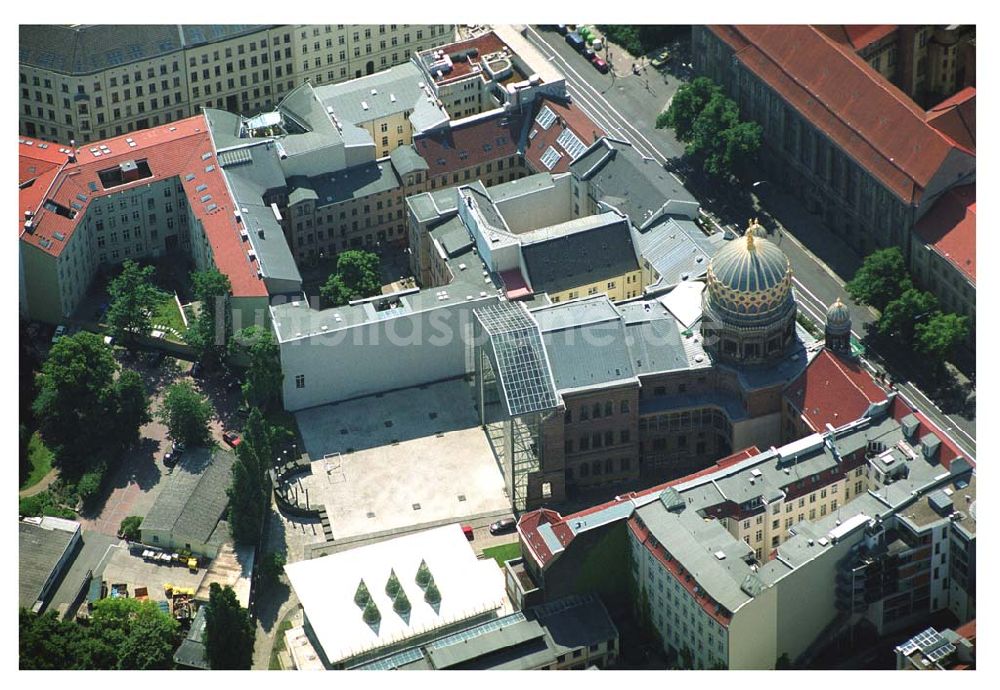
x: 626, y: 106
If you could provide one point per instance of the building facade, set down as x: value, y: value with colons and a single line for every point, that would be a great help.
x: 849, y: 162
x: 134, y: 77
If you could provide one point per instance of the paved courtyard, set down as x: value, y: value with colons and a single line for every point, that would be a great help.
x: 127, y: 566
x: 401, y: 460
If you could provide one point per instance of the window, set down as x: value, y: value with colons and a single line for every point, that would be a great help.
x: 300, y: 381
x: 624, y: 407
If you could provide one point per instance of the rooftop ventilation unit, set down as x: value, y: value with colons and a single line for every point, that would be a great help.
x: 364, y: 105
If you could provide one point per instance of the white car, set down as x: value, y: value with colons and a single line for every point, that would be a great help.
x: 60, y: 332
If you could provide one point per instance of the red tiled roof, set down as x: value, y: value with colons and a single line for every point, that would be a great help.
x: 948, y: 450
x: 950, y: 228
x: 486, y: 44
x: 967, y: 630
x: 859, y: 36
x: 833, y: 391
x: 569, y: 117
x: 955, y: 117
x: 171, y: 151
x: 471, y: 143
x: 843, y: 97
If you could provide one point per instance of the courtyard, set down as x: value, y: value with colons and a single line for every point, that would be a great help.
x: 401, y: 461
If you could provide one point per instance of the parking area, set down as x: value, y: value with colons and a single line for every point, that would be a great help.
x: 400, y: 460
x: 127, y: 566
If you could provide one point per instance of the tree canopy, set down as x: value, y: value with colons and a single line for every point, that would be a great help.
x: 209, y: 333
x: 708, y: 123
x: 133, y: 300
x: 262, y: 386
x: 185, y: 412
x: 77, y: 397
x: 250, y: 490
x: 121, y: 634
x: 132, y: 407
x: 901, y: 315
x: 356, y: 277
x: 938, y: 336
x: 229, y: 634
x: 881, y: 279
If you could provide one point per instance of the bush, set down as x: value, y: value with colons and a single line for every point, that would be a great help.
x: 272, y: 567
x: 361, y: 597
x: 130, y: 527
x: 392, y: 585
x: 43, y: 504
x: 401, y: 604
x: 89, y: 485
x: 432, y: 595
x: 423, y: 574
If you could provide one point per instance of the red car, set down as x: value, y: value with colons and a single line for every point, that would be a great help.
x: 600, y: 64
x: 232, y: 438
x: 467, y: 530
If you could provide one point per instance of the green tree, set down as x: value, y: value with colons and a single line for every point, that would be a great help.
x: 47, y: 643
x: 133, y: 300
x: 938, y: 336
x: 76, y: 398
x: 143, y: 637
x: 688, y: 103
x: 185, y: 412
x: 356, y: 277
x: 132, y: 407
x: 272, y: 567
x: 209, y: 333
x: 250, y: 489
x: 229, y: 634
x: 130, y: 527
x: 28, y: 365
x: 262, y: 386
x: 900, y: 315
x: 881, y: 279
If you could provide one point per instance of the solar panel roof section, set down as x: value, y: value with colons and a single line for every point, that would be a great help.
x: 476, y: 631
x: 393, y: 661
x: 545, y: 117
x: 550, y: 158
x: 520, y: 358
x: 571, y: 143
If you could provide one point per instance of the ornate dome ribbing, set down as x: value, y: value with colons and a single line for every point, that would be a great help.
x: 838, y: 317
x: 750, y: 277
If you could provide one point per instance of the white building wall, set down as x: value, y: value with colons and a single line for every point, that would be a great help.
x: 382, y: 355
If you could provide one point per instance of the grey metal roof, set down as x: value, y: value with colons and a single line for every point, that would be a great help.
x: 406, y: 160
x: 39, y: 549
x: 677, y: 249
x: 586, y: 344
x: 397, y: 90
x: 191, y: 653
x: 354, y: 183
x: 501, y: 639
x: 452, y: 235
x: 694, y: 541
x: 636, y: 187
x: 581, y: 251
x: 85, y: 49
x: 193, y: 499
x: 518, y: 356
x: 654, y: 339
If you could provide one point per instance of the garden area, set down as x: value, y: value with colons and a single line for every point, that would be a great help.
x: 502, y: 553
x: 639, y: 39
x: 39, y: 460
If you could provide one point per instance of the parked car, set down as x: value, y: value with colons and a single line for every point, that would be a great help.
x: 503, y: 526
x: 158, y: 358
x: 196, y: 370
x: 588, y: 53
x: 467, y: 531
x: 232, y: 438
x: 576, y: 40
x: 660, y: 59
x: 60, y: 332
x: 597, y: 44
x: 600, y: 64
x: 171, y: 457
x: 563, y: 29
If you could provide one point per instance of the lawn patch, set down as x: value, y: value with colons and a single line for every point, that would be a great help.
x: 502, y: 553
x: 40, y: 458
x: 168, y: 314
x: 279, y: 645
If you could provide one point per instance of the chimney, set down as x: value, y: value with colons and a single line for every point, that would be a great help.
x: 130, y: 171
